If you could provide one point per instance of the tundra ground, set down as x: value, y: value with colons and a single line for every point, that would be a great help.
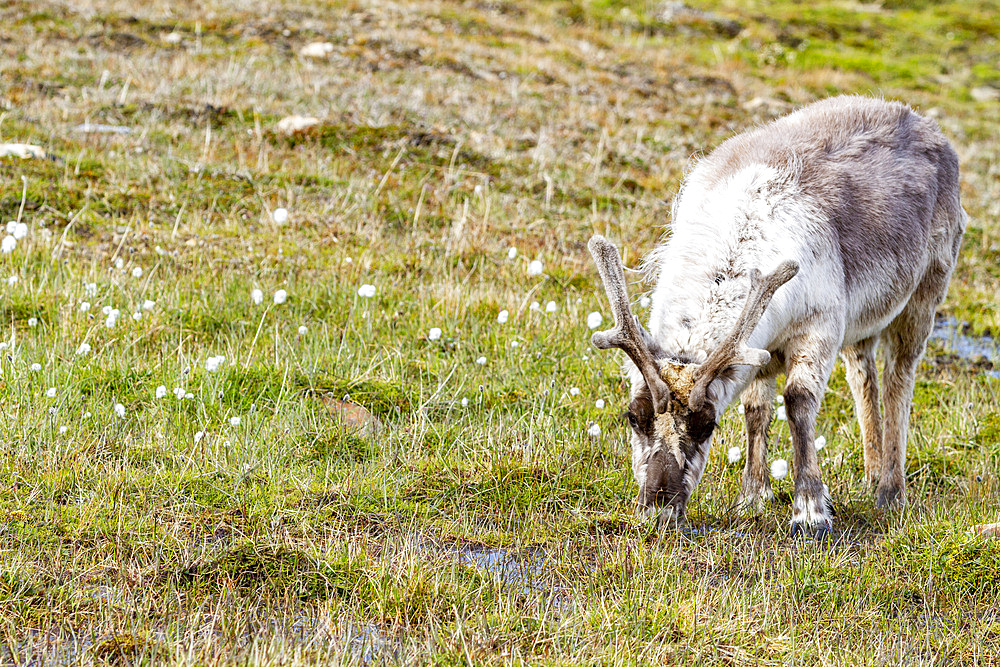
x: 470, y: 516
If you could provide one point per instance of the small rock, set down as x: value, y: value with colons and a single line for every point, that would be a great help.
x: 988, y: 529
x: 23, y: 151
x: 352, y: 416
x: 319, y: 50
x: 985, y: 94
x: 101, y: 128
x: 296, y: 123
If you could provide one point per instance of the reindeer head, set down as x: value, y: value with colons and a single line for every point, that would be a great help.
x: 671, y: 416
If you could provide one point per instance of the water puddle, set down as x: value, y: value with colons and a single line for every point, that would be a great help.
x: 982, y: 351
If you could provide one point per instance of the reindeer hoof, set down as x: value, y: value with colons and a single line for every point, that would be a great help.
x: 819, y: 533
x: 889, y: 498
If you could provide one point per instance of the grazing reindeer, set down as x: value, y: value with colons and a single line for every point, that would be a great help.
x: 851, y: 208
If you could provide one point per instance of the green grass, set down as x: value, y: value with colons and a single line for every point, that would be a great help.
x: 479, y: 523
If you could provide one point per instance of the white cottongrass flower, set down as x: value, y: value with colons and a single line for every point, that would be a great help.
x: 599, y: 404
x: 551, y: 307
x: 19, y: 230
x: 90, y: 289
x: 119, y: 409
x: 503, y: 317
x: 148, y: 304
x: 63, y: 429
x: 119, y: 263
x: 51, y: 392
x: 178, y: 393
x: 11, y: 281
x: 198, y: 436
x: 257, y: 296
x: 515, y: 343
x: 780, y: 413
x: 535, y: 306
x: 234, y: 421
x: 644, y: 301
x: 779, y: 468
x: 820, y: 442
x: 83, y: 350
x: 594, y: 431
x: 85, y: 306
x: 574, y: 391
x: 434, y: 333
x: 189, y: 396
x: 8, y: 244
x: 35, y: 367
x: 535, y: 267
x: 112, y: 319
x: 53, y: 411
x: 367, y: 291
x: 212, y: 363
x: 594, y: 320
x: 481, y: 361
x: 88, y: 414
x: 107, y: 310
x: 32, y: 322
x: 741, y: 410
x: 137, y: 316
x: 161, y: 391
x: 511, y: 252
x: 137, y: 272
x: 3, y: 346
x: 280, y: 297
x: 280, y: 216
x: 465, y: 402
x: 734, y: 454
x: 779, y: 399
x: 303, y: 330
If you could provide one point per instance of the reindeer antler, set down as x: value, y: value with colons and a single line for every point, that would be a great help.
x: 628, y: 333
x: 732, y: 350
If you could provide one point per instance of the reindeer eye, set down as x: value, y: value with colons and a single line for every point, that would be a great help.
x: 633, y: 421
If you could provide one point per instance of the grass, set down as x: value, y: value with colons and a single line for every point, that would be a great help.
x: 480, y: 523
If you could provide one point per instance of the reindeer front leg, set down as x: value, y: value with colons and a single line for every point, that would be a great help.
x: 809, y: 364
x: 758, y: 401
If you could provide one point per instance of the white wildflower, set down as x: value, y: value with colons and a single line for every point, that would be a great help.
x: 779, y: 399
x: 535, y: 267
x: 366, y: 291
x: 535, y: 306
x: 137, y: 272
x: 85, y: 306
x: 87, y: 414
x: 599, y: 404
x: 734, y: 454
x: 257, y: 296
x: 280, y: 297
x: 550, y: 307
x: 434, y: 333
x: 119, y: 263
x: 161, y: 391
x: 32, y: 321
x: 11, y: 281
x: 51, y: 392
x: 83, y: 350
x: 779, y: 468
x: 198, y: 436
x: 741, y: 410
x: 594, y: 431
x: 644, y: 301
x: 481, y: 361
x: 36, y: 367
x: 148, y: 304
x: 820, y: 442
x: 90, y: 289
x: 189, y: 396
x: 212, y: 363
x: 465, y: 402
x: 137, y: 316
x: 63, y: 429
x: 234, y: 421
x: 19, y: 231
x: 503, y: 316
x: 280, y: 216
x: 8, y: 244
x: 780, y: 413
x: 303, y: 330
x: 515, y: 343
x: 574, y: 391
x: 594, y: 320
x: 119, y: 409
x: 511, y: 252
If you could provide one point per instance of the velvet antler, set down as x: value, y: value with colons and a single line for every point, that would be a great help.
x: 732, y: 351
x: 628, y: 334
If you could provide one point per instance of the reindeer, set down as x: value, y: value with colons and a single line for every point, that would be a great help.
x: 832, y: 229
